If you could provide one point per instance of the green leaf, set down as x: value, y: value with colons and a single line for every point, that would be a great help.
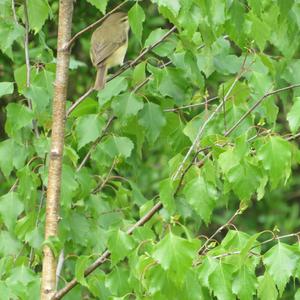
x: 297, y: 295
x: 260, y: 31
x: 275, y: 156
x: 69, y: 185
x: 38, y: 12
x: 165, y: 48
x: 152, y: 119
x: 266, y: 288
x: 9, y: 245
x: 117, y: 146
x: 166, y: 195
x: 294, y: 115
x: 55, y: 244
x: 139, y: 73
x: 81, y: 264
x: 21, y: 275
x: 243, y: 176
x: 88, y: 129
x: 244, y: 283
x: 173, y: 84
x: 201, y: 196
x: 80, y: 228
x: 99, y: 4
x: 220, y: 281
x: 6, y: 88
x: 4, y: 291
x: 40, y: 98
x: 281, y: 261
x: 127, y: 105
x: 11, y: 155
x: 117, y: 281
x: 172, y: 5
x: 18, y: 116
x: 112, y: 88
x: 175, y: 254
x: 136, y: 17
x: 120, y: 244
x: 9, y: 32
x: 10, y: 208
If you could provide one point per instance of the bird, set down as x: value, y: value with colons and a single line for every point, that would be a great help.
x: 109, y: 43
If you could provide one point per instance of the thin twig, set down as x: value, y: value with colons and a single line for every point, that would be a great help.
x: 27, y: 61
x: 94, y: 25
x: 191, y: 105
x: 261, y: 243
x: 297, y: 234
x: 27, y: 48
x: 99, y: 187
x: 204, y: 246
x: 13, y: 8
x: 257, y: 103
x: 77, y: 102
x: 293, y: 137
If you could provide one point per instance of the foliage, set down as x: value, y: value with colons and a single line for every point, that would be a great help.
x: 206, y: 104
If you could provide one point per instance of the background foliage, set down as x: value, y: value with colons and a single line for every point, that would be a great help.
x: 242, y: 184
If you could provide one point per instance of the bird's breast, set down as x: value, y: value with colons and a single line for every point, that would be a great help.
x: 117, y: 58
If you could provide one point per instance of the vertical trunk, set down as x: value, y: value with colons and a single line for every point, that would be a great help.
x: 57, y: 142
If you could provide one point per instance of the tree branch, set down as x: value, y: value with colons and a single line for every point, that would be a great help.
x: 57, y: 143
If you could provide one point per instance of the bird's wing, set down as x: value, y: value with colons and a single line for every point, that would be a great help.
x: 103, y: 47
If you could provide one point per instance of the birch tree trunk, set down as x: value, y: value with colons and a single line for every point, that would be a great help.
x: 57, y: 143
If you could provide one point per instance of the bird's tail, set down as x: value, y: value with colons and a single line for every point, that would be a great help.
x: 100, y: 77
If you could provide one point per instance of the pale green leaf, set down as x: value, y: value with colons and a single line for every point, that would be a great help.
x: 6, y: 88
x: 9, y: 244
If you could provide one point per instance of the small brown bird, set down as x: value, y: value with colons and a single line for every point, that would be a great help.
x: 109, y: 44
